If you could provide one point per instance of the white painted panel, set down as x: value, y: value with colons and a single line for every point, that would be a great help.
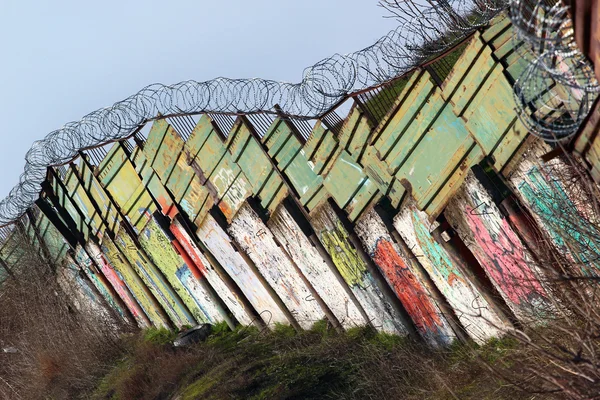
x: 219, y: 244
x: 314, y: 268
x: 473, y: 311
x: 256, y: 240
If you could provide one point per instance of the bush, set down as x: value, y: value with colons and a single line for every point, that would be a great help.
x: 60, y: 352
x: 160, y: 336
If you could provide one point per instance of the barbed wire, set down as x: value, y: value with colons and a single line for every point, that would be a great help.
x: 426, y: 29
x: 558, y: 87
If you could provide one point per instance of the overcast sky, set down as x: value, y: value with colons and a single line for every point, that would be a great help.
x: 64, y: 59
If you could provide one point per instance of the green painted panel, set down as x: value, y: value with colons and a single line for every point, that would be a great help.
x: 287, y: 153
x: 225, y: 173
x: 505, y: 37
x: 270, y: 189
x: 324, y: 153
x: 278, y: 138
x: 436, y: 155
x: 314, y: 140
x: 491, y: 111
x: 344, y: 179
x: 255, y: 165
x: 153, y: 184
x: 166, y: 158
x: 367, y: 192
x: 195, y: 197
x: 277, y: 199
x: 180, y: 178
x: 238, y: 139
x: 511, y: 142
x: 349, y: 126
x: 238, y: 191
x: 515, y: 65
x: 155, y: 137
x: 210, y: 154
x: 139, y: 207
x: 318, y: 198
x: 360, y: 137
x: 417, y: 129
x: 438, y: 203
x: 96, y: 191
x: 56, y: 245
x: 462, y: 66
x: 202, y: 131
x: 376, y: 169
x: 72, y: 210
x: 118, y: 176
x: 503, y: 51
x: 473, y: 81
x: 301, y: 175
x: 397, y: 193
x: 497, y: 25
x: 404, y: 115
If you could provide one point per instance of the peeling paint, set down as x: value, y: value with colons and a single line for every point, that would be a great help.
x: 219, y: 243
x: 79, y: 291
x: 135, y: 285
x: 154, y: 280
x: 474, y: 313
x: 354, y: 271
x: 470, y: 117
x: 116, y: 280
x: 404, y: 280
x: 545, y: 194
x: 98, y: 281
x: 257, y: 242
x: 316, y: 270
x: 159, y: 248
x: 243, y: 316
x: 509, y: 265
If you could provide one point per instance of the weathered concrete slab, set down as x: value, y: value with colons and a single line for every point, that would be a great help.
x: 406, y: 282
x: 208, y: 272
x: 499, y: 250
x: 334, y: 237
x: 99, y: 282
x: 546, y: 191
x: 219, y: 243
x: 136, y: 286
x: 80, y: 292
x: 257, y: 242
x: 316, y: 270
x: 159, y: 248
x: 154, y: 280
x: 118, y: 285
x: 474, y: 313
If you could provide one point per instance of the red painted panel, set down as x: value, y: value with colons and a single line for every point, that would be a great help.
x: 409, y: 290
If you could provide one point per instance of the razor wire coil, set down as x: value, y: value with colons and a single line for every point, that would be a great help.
x: 426, y: 29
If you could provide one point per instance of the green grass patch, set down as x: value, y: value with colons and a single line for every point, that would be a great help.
x: 247, y: 363
x: 159, y: 335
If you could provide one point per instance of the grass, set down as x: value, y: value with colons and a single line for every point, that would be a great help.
x: 318, y: 363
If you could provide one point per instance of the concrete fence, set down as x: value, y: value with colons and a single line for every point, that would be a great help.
x: 419, y: 223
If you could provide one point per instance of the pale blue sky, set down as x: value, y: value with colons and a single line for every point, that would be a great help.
x: 64, y: 59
